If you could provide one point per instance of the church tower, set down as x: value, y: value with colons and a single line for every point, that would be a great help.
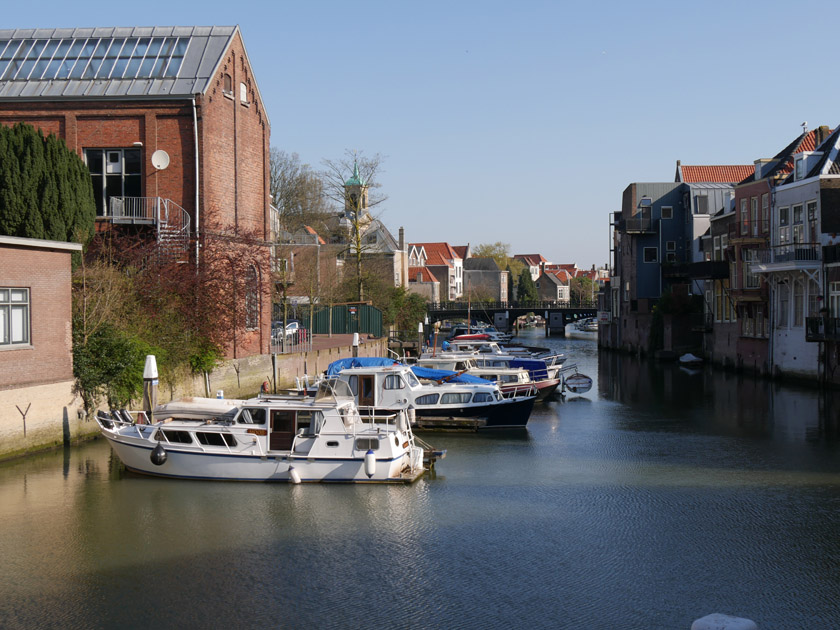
x: 356, y: 195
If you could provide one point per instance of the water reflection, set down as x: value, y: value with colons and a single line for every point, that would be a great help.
x: 657, y: 497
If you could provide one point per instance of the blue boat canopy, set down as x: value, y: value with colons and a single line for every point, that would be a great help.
x: 335, y: 367
x: 536, y: 368
x: 445, y: 375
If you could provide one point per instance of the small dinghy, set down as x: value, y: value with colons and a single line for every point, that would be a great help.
x: 578, y: 383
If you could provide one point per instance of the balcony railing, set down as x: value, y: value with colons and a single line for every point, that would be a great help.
x: 822, y: 329
x: 638, y: 225
x: 788, y: 253
x: 749, y: 229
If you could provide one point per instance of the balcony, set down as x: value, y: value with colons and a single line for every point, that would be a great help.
x: 822, y: 329
x: 639, y: 225
x: 787, y: 257
x: 709, y: 270
x: 749, y: 231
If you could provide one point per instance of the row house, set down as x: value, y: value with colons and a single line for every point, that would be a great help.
x: 656, y: 249
x: 534, y: 263
x: 798, y: 265
x: 445, y: 265
x: 485, y: 281
x: 553, y: 286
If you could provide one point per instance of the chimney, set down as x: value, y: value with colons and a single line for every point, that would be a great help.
x: 402, y: 239
x: 820, y: 134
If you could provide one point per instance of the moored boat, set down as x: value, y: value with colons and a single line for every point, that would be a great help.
x: 446, y: 400
x: 274, y: 438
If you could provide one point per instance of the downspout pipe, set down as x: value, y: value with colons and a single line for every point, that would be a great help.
x: 195, y: 134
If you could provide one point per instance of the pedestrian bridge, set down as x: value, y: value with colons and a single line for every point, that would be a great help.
x: 503, y: 314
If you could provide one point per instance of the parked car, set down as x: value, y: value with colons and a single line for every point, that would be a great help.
x: 291, y: 330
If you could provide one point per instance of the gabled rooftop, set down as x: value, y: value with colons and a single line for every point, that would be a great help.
x: 438, y: 253
x: 729, y: 174
x: 112, y: 62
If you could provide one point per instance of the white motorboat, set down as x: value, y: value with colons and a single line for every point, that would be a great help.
x: 382, y: 386
x: 292, y: 439
x: 511, y: 380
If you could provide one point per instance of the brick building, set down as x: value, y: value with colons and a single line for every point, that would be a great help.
x: 172, y: 126
x: 36, y: 367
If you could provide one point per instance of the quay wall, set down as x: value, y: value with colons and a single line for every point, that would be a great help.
x: 54, y: 417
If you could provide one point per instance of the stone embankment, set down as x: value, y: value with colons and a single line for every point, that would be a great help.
x: 32, y: 420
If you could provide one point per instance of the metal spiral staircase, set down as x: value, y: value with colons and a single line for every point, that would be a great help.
x: 171, y: 221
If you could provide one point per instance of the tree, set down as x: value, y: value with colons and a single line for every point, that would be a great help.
x: 297, y: 192
x: 526, y: 290
x: 351, y: 185
x: 582, y: 290
x: 45, y: 188
x: 498, y: 251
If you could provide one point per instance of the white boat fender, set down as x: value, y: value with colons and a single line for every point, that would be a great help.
x: 402, y: 420
x: 294, y: 476
x: 370, y: 463
x: 158, y: 455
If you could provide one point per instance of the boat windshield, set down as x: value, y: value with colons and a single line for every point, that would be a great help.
x: 333, y: 388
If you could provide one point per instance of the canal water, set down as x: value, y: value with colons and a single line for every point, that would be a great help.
x: 660, y: 496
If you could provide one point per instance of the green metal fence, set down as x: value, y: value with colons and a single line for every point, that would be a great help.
x: 361, y: 318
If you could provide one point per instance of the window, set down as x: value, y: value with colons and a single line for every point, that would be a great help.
x: 812, y: 222
x: 745, y: 221
x: 117, y: 173
x: 455, y: 398
x: 252, y: 416
x: 482, y: 397
x: 215, y: 439
x: 784, y: 226
x: 243, y: 94
x: 227, y: 86
x: 428, y: 399
x: 393, y: 381
x: 252, y: 299
x: 14, y: 316
x: 834, y: 299
x: 651, y: 254
x: 750, y: 257
x: 765, y: 213
x: 754, y: 216
x: 671, y: 257
x: 800, y: 168
x: 367, y: 444
x: 667, y: 212
x: 798, y: 304
x: 671, y: 246
x: 173, y: 437
x: 798, y: 227
x: 716, y: 247
x: 701, y: 204
x: 784, y: 302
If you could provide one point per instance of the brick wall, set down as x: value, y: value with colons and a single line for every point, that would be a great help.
x: 47, y: 275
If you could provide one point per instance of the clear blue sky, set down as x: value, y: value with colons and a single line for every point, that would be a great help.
x: 519, y: 122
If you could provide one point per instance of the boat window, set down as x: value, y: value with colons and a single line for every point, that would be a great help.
x: 455, y: 398
x: 428, y: 399
x: 393, y: 381
x: 332, y: 444
x: 215, y: 439
x: 482, y: 397
x: 252, y: 416
x: 365, y: 444
x: 309, y: 422
x: 353, y: 381
x: 173, y: 437
x: 460, y: 365
x: 412, y: 380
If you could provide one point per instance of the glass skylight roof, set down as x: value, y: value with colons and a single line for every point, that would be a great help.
x: 91, y: 58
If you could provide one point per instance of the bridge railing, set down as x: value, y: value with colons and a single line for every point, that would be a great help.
x: 498, y: 306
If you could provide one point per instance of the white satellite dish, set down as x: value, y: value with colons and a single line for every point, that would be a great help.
x: 160, y: 159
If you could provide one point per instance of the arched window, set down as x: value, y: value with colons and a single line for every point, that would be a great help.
x: 252, y: 298
x: 228, y: 85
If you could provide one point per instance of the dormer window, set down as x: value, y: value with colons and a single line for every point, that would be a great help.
x: 800, y: 168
